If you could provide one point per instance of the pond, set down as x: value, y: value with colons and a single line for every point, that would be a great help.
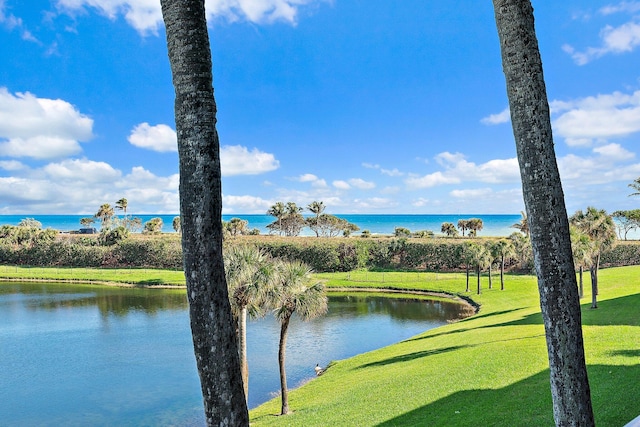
x: 92, y: 355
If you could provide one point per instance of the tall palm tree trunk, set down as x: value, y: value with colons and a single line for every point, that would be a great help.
x: 490, y: 281
x: 581, y: 290
x: 214, y: 338
x: 546, y: 212
x: 478, y: 274
x: 282, y: 349
x: 502, y: 273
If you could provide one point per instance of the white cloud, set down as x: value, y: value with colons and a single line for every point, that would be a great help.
x: 614, y: 152
x: 12, y: 165
x: 388, y: 172
x: 625, y: 6
x: 238, y: 160
x: 361, y: 184
x: 245, y: 204
x: 11, y: 22
x: 234, y: 159
x: 599, y: 117
x: 374, y: 203
x: 314, y: 180
x: 471, y: 193
x: 146, y: 15
x: 493, y: 119
x: 81, y: 171
x: 420, y: 202
x: 40, y: 128
x: 156, y: 138
x: 621, y: 39
x: 457, y: 169
x: 431, y: 180
x: 341, y: 185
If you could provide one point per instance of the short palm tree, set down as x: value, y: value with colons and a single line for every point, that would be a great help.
x: 502, y: 249
x: 449, y: 229
x: 600, y: 228
x: 250, y: 275
x: 122, y: 205
x: 104, y: 214
x: 279, y: 211
x: 582, y: 250
x: 296, y: 294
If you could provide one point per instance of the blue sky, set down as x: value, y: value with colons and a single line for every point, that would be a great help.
x: 369, y: 106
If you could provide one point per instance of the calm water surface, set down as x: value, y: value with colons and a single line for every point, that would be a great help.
x: 87, y: 355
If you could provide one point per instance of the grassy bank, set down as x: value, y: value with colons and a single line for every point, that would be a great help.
x: 122, y: 276
x: 490, y: 369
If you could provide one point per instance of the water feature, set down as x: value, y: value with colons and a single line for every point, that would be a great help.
x: 92, y: 355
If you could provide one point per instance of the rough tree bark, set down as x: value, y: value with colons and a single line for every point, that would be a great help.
x: 546, y: 212
x: 214, y: 340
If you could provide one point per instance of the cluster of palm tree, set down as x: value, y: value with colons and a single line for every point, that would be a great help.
x: 483, y: 256
x: 473, y: 225
x: 290, y: 221
x: 108, y: 219
x: 259, y: 284
x: 592, y: 232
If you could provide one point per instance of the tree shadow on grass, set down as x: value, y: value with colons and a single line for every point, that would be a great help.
x: 528, y: 402
x: 457, y: 331
x: 411, y: 356
x: 616, y: 311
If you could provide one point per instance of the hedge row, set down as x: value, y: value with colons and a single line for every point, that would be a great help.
x: 67, y: 253
x: 322, y: 254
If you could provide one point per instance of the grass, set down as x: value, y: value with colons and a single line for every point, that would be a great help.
x: 490, y: 369
x: 123, y: 276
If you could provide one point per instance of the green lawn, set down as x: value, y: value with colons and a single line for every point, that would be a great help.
x: 490, y: 369
x: 124, y: 276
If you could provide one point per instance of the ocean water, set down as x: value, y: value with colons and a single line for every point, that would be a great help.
x: 494, y: 225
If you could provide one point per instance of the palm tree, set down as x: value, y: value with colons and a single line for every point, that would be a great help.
x: 297, y: 295
x: 479, y: 257
x: 582, y: 248
x: 474, y: 225
x: 449, y: 229
x: 598, y: 226
x: 523, y: 224
x: 122, y: 205
x: 104, y: 214
x: 317, y: 208
x: 214, y: 341
x: 502, y: 249
x: 463, y: 224
x: 87, y: 221
x: 636, y: 186
x: 546, y: 211
x: 279, y: 211
x: 251, y: 275
x: 176, y: 224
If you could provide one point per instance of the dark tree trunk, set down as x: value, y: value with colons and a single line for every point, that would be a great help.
x: 282, y: 350
x: 478, y: 275
x: 581, y: 290
x: 596, y: 275
x: 212, y: 328
x: 490, y: 281
x: 546, y: 212
x: 467, y: 278
x: 502, y: 273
